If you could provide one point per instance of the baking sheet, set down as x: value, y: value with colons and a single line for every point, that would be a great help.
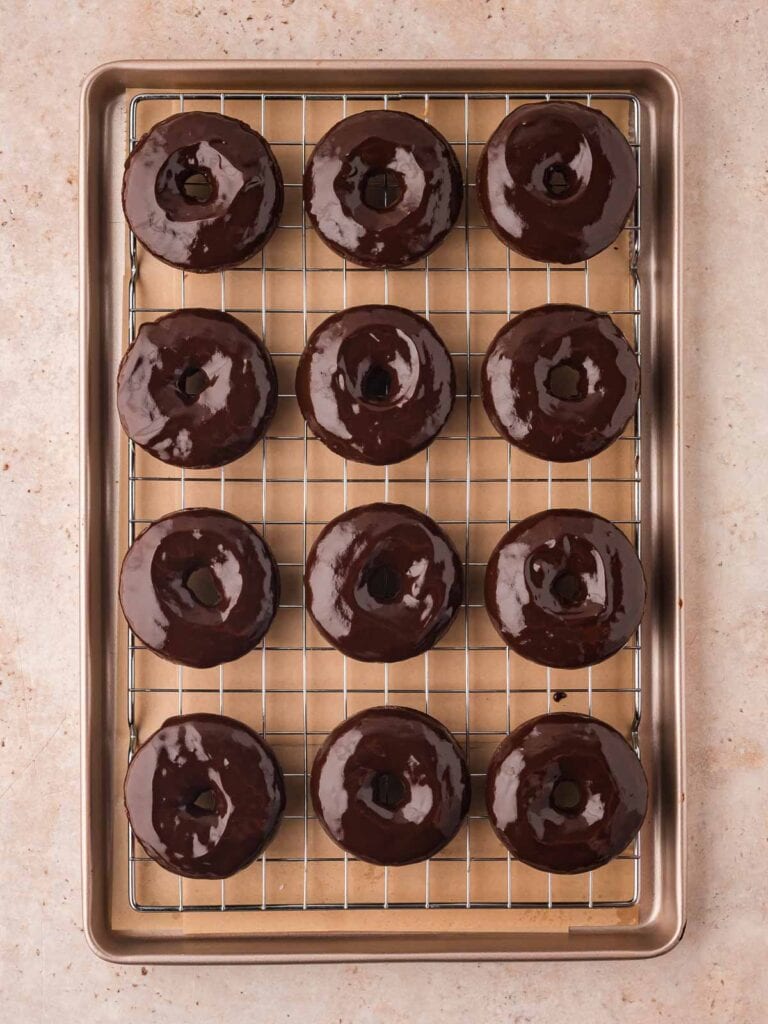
x: 261, y: 689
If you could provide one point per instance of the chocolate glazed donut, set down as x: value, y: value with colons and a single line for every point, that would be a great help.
x: 383, y: 582
x: 560, y: 382
x: 565, y: 793
x: 375, y: 383
x: 556, y: 181
x: 204, y: 795
x: 383, y: 188
x: 197, y: 388
x: 565, y: 588
x: 390, y: 785
x: 199, y: 587
x: 202, y: 191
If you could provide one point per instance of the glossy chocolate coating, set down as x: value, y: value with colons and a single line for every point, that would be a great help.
x: 233, y: 222
x: 556, y: 181
x: 565, y: 588
x: 560, y: 420
x: 390, y: 785
x: 228, y: 410
x: 192, y: 755
x: 383, y: 582
x: 158, y: 596
x: 415, y: 156
x: 565, y: 793
x: 375, y: 383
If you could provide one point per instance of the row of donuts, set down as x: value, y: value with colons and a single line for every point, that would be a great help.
x: 383, y: 583
x: 376, y: 384
x: 564, y: 792
x: 382, y: 188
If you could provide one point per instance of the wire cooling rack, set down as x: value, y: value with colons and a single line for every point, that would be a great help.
x: 294, y: 688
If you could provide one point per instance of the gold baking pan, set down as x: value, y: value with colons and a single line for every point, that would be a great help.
x: 304, y: 901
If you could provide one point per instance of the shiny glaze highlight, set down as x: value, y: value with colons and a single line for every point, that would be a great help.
x: 565, y: 588
x: 389, y: 547
x: 165, y: 613
x: 350, y: 349
x: 233, y: 222
x: 602, y: 775
x: 429, y: 195
x: 213, y: 755
x: 597, y: 181
x: 390, y: 785
x: 230, y: 413
x: 517, y: 384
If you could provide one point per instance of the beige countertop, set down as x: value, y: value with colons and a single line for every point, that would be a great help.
x: 719, y: 52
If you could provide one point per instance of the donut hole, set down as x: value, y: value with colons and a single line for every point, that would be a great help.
x: 192, y: 382
x: 184, y: 189
x: 197, y: 187
x: 376, y: 384
x: 383, y: 583
x: 388, y: 790
x: 566, y: 796
x: 202, y: 804
x: 378, y: 366
x: 568, y: 589
x: 560, y: 180
x: 382, y: 188
x: 567, y: 381
x: 203, y: 586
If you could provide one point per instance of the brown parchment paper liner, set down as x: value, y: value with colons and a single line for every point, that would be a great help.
x: 159, y: 287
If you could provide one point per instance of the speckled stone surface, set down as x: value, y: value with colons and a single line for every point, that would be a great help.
x: 719, y: 53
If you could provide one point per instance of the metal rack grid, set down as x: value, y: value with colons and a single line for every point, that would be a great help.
x: 377, y: 891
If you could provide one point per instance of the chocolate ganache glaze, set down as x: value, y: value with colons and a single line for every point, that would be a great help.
x: 199, y: 587
x: 556, y: 181
x: 383, y: 582
x: 383, y: 188
x: 202, y: 191
x: 565, y: 793
x: 560, y: 382
x: 375, y: 383
x: 204, y: 795
x: 390, y: 785
x: 197, y: 388
x: 565, y: 588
